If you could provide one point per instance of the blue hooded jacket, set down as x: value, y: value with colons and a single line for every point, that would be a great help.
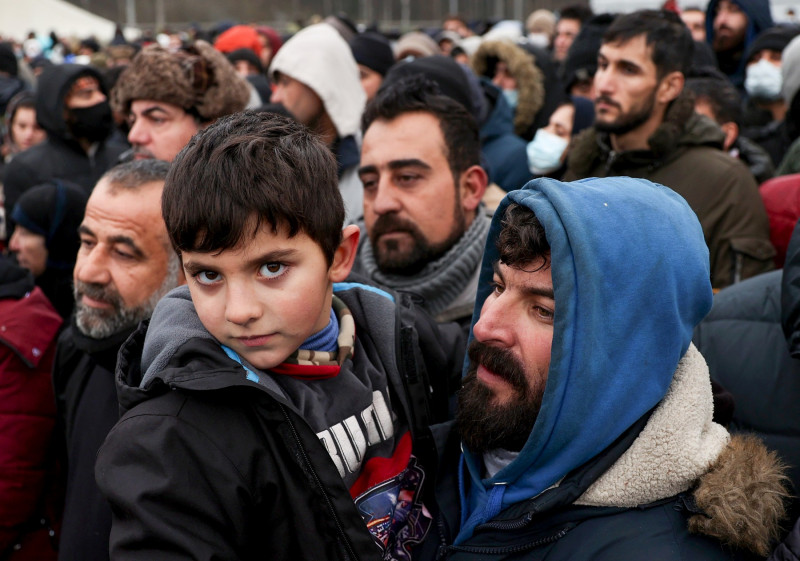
x: 759, y: 18
x: 630, y: 275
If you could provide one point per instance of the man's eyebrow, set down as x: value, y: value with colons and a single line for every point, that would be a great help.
x: 152, y: 109
x: 85, y: 230
x: 407, y: 163
x: 127, y: 241
x: 367, y: 169
x: 528, y: 290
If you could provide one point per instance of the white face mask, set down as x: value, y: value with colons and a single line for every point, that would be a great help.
x: 763, y: 80
x: 512, y: 97
x: 545, y: 151
x: 539, y: 39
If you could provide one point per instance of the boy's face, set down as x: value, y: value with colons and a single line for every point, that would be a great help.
x: 266, y: 296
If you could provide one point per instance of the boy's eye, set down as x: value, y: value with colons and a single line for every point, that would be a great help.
x: 272, y: 270
x: 207, y: 277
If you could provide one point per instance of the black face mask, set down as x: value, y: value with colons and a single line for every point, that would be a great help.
x: 92, y: 123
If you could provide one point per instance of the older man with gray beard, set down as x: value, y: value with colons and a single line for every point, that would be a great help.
x: 125, y: 264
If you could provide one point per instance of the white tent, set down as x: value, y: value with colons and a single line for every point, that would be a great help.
x: 18, y: 17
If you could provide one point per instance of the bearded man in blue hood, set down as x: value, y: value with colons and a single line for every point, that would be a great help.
x: 584, y: 426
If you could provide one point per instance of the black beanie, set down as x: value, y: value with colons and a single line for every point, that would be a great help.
x: 8, y: 60
x: 54, y: 210
x: 774, y: 39
x: 581, y: 61
x: 373, y: 51
x: 443, y: 70
x: 248, y: 55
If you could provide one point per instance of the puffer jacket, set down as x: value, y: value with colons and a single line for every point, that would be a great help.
x: 685, y: 156
x: 751, y: 340
x: 29, y: 504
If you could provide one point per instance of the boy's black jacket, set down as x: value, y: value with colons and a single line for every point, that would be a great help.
x: 206, y: 464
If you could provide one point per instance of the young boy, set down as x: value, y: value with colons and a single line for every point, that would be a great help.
x: 270, y: 411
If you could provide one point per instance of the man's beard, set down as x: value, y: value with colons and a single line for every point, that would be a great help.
x: 485, y: 425
x: 392, y: 259
x: 626, y: 122
x: 101, y: 323
x: 726, y: 41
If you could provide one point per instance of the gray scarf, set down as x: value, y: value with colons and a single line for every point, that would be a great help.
x: 440, y: 282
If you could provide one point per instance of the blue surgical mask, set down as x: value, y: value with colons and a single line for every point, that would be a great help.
x: 763, y: 80
x: 545, y: 151
x: 512, y: 97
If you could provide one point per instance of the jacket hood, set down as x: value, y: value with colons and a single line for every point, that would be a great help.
x: 790, y: 294
x: 501, y: 117
x: 52, y: 87
x: 522, y: 66
x: 759, y: 18
x: 681, y: 128
x: 318, y: 57
x: 610, y: 361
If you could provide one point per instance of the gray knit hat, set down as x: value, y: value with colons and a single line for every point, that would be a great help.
x: 790, y: 68
x: 198, y: 78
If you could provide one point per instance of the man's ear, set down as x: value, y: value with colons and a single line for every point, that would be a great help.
x: 670, y: 87
x: 345, y: 254
x: 731, y: 131
x: 472, y: 187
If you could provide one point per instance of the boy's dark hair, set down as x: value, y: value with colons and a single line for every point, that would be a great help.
x: 250, y: 169
x: 665, y: 33
x: 579, y: 12
x: 522, y: 239
x: 420, y: 94
x: 721, y: 96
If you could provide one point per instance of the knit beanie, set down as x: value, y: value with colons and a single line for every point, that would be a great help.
x: 774, y: 39
x: 581, y: 61
x: 443, y: 70
x: 238, y: 37
x: 416, y: 43
x: 249, y: 56
x: 373, y: 51
x: 275, y: 40
x: 54, y: 210
x: 790, y: 68
x: 8, y: 60
x: 197, y: 78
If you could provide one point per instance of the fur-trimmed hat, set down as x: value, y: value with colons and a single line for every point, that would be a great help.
x: 198, y: 78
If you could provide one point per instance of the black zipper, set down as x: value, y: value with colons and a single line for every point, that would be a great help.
x: 321, y: 487
x: 509, y: 549
x: 515, y: 525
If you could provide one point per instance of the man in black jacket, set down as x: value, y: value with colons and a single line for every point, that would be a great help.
x: 72, y: 107
x: 124, y: 265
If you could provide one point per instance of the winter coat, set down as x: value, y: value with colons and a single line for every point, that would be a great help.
x: 791, y: 160
x: 789, y: 549
x: 29, y: 505
x: 781, y: 196
x: 751, y: 340
x: 505, y: 153
x: 244, y: 471
x: 60, y: 156
x: 685, y: 156
x: 521, y: 65
x: 86, y: 398
x: 756, y: 159
x: 623, y: 455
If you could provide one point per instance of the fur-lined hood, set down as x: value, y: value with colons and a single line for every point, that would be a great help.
x: 522, y: 66
x: 739, y: 486
x: 681, y: 128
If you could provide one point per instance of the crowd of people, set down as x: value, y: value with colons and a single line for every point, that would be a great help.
x: 495, y: 290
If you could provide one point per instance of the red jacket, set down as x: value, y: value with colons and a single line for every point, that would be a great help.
x: 28, y: 330
x: 781, y: 196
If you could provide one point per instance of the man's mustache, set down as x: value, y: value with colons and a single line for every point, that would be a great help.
x: 500, y: 362
x: 607, y: 100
